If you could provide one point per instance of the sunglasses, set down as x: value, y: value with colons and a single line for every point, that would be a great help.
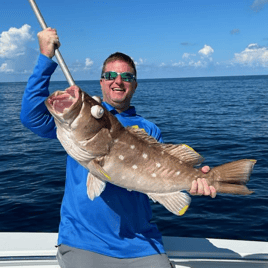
x: 126, y: 76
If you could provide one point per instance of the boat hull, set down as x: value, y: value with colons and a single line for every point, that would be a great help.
x: 39, y: 249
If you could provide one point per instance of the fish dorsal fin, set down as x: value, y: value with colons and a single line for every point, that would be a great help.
x: 177, y: 202
x: 94, y: 186
x: 184, y: 153
x: 142, y: 134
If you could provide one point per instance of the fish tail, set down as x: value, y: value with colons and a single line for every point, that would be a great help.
x: 231, y: 178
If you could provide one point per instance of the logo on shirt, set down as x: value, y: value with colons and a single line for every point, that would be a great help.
x: 136, y: 126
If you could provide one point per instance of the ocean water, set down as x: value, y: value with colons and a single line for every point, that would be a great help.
x: 222, y: 118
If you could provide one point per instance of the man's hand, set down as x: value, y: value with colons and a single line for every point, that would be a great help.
x: 48, y: 42
x: 200, y: 186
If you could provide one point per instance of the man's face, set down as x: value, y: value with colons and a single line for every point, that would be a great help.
x: 117, y: 92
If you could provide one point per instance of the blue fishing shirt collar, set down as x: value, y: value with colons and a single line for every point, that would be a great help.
x: 131, y: 111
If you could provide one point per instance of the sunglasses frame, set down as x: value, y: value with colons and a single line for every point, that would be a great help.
x: 133, y: 78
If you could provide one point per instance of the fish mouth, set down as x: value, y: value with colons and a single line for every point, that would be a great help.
x: 61, y: 102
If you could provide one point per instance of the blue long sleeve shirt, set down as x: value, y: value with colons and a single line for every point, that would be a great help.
x: 117, y: 223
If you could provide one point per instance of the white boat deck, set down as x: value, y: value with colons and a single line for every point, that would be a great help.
x: 30, y: 250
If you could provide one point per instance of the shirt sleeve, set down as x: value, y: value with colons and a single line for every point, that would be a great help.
x: 34, y: 113
x: 153, y: 130
x: 157, y: 134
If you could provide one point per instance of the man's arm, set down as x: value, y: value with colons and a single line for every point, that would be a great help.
x: 34, y: 114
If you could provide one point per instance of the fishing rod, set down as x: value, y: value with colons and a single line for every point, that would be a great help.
x: 58, y: 55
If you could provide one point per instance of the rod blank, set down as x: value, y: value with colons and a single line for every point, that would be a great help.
x: 58, y: 55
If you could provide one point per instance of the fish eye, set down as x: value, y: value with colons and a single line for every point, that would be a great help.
x: 97, y: 111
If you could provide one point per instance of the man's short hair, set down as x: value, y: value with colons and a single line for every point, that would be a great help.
x: 121, y: 57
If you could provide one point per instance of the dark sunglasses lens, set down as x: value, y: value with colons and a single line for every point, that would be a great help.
x: 128, y: 77
x: 112, y: 75
x: 109, y: 75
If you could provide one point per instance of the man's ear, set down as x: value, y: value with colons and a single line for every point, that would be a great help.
x: 136, y: 85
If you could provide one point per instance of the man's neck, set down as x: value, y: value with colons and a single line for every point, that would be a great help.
x: 118, y: 108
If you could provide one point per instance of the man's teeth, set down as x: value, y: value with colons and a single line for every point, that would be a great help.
x: 118, y: 89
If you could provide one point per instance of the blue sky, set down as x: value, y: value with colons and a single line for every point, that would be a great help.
x: 171, y: 38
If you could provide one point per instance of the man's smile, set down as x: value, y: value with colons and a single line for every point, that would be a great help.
x: 118, y: 89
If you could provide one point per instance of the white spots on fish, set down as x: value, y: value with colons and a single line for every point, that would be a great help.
x: 121, y: 157
x: 138, y: 181
x: 134, y: 167
x: 158, y: 165
x: 178, y: 173
x: 144, y: 155
x: 162, y: 152
x: 132, y: 147
x: 154, y: 175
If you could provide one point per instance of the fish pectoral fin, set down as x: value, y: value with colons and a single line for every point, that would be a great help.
x: 96, y: 179
x: 95, y: 186
x: 184, y: 153
x: 177, y: 202
x: 98, y: 171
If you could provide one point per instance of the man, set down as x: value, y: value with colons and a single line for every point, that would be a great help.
x: 114, y: 230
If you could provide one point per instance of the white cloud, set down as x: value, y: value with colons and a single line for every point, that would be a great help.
x: 201, y: 60
x: 16, y: 57
x: 4, y: 68
x: 191, y: 63
x: 198, y: 64
x: 79, y: 66
x: 187, y: 55
x: 206, y: 51
x: 235, y: 31
x: 88, y: 63
x: 76, y: 66
x: 140, y: 62
x: 253, y: 55
x: 13, y: 42
x: 257, y: 5
x: 179, y: 64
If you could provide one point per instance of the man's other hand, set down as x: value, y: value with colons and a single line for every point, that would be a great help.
x: 200, y: 186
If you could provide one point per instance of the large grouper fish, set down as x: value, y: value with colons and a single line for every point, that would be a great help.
x: 131, y: 159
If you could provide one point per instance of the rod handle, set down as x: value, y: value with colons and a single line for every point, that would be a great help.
x: 58, y: 55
